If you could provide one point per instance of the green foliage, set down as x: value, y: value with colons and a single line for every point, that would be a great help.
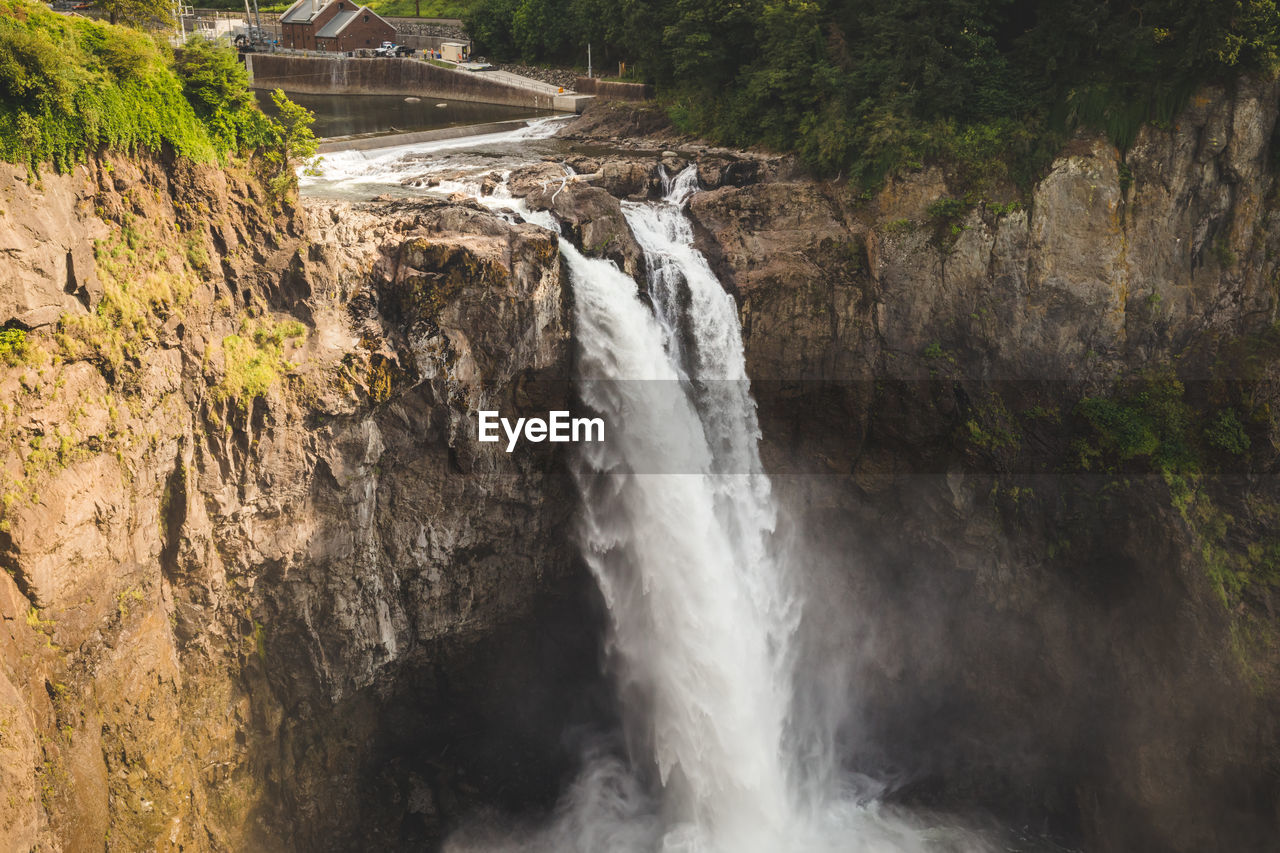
x: 1150, y: 423
x: 1125, y: 178
x: 153, y: 13
x: 992, y: 429
x: 70, y: 87
x: 1227, y: 434
x: 13, y: 346
x: 31, y: 66
x: 254, y: 360
x: 250, y: 370
x: 142, y: 286
x: 1151, y: 426
x: 293, y: 142
x: 540, y: 30
x: 126, y: 599
x: 1241, y: 556
x: 276, y: 334
x: 217, y: 87
x: 489, y: 24
x: 864, y: 87
x: 946, y: 215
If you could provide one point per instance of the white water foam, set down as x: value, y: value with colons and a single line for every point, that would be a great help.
x: 391, y: 165
x: 703, y: 615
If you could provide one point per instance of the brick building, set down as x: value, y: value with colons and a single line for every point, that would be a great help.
x: 332, y: 25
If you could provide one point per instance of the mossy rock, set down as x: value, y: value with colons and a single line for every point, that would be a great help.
x: 385, y: 378
x: 436, y: 273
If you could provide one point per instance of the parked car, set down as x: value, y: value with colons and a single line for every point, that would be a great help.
x: 390, y: 48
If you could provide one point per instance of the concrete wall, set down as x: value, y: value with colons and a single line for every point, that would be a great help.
x: 344, y: 75
x: 606, y: 91
x: 386, y: 140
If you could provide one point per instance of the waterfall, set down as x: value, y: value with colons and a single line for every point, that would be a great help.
x: 677, y: 514
x: 677, y: 527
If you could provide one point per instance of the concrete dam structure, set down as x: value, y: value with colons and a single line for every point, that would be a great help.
x: 386, y: 76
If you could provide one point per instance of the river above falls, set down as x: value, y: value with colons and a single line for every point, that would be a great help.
x: 351, y: 115
x: 437, y: 168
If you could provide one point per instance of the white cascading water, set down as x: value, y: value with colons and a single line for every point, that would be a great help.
x: 678, y: 517
x: 677, y: 527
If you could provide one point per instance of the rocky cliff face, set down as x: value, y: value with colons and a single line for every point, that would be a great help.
x: 1040, y: 616
x: 255, y: 558
x: 265, y: 590
x: 1041, y: 570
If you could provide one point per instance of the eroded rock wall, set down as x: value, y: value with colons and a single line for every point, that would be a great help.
x: 264, y: 590
x: 1032, y: 633
x: 255, y: 559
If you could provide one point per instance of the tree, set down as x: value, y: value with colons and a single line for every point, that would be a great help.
x: 862, y: 87
x: 217, y: 87
x: 707, y: 41
x: 489, y: 25
x: 294, y: 144
x: 139, y: 13
x: 542, y: 29
x: 212, y: 77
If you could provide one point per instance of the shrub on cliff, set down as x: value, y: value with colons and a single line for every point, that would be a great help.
x: 70, y: 87
x: 217, y: 87
x: 292, y: 142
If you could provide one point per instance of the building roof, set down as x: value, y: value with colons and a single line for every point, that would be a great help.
x: 340, y: 21
x: 337, y: 24
x: 304, y: 11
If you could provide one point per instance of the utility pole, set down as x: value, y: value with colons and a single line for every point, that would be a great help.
x: 261, y: 35
x: 588, y: 59
x: 180, y: 11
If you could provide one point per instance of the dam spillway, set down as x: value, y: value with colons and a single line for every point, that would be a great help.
x: 396, y: 76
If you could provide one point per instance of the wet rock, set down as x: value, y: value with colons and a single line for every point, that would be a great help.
x: 923, y: 318
x: 584, y: 165
x: 636, y: 179
x: 715, y: 172
x: 593, y: 220
x: 529, y: 179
